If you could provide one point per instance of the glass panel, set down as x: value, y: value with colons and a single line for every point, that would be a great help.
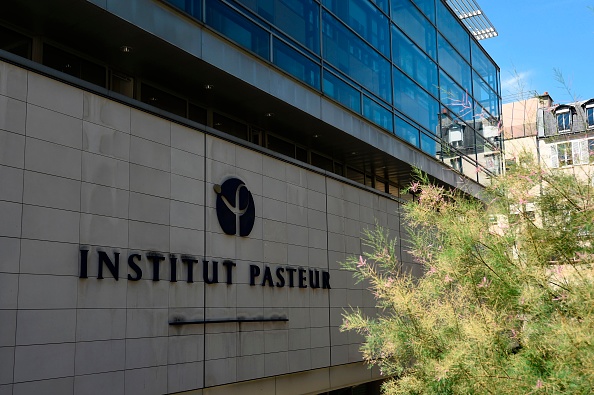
x: 365, y: 19
x: 351, y: 55
x: 296, y: 64
x: 281, y: 146
x: 564, y: 121
x: 428, y: 8
x: 230, y: 126
x: 453, y: 63
x: 322, y: 162
x: 342, y: 92
x: 483, y: 66
x: 192, y: 7
x: 377, y: 114
x: 234, y: 26
x: 74, y: 65
x: 414, y: 62
x: 417, y: 104
x: 415, y: 25
x: 197, y: 114
x: 428, y: 145
x: 297, y: 18
x: 15, y: 43
x: 590, y: 116
x: 406, y: 131
x: 484, y: 95
x: 355, y: 175
x: 382, y: 4
x: 163, y: 100
x: 452, y: 29
x: 457, y: 99
x: 564, y: 154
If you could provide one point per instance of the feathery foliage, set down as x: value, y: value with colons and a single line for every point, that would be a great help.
x: 506, y: 301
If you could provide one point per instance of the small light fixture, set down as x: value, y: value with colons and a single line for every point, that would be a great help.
x: 317, y: 135
x: 354, y: 153
x: 209, y: 87
x: 126, y: 49
x: 153, y: 98
x: 269, y: 114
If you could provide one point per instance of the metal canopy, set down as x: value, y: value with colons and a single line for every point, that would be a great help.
x: 474, y: 19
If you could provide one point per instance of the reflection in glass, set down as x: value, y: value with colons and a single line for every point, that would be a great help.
x: 355, y: 58
x: 377, y: 114
x: 297, y: 18
x: 453, y: 64
x: 428, y: 8
x: 414, y: 62
x: 415, y: 102
x: 453, y: 30
x: 342, y: 92
x: 191, y: 7
x: 406, y: 131
x: 408, y: 18
x: 483, y: 66
x: 296, y: 64
x: 234, y: 26
x: 365, y: 19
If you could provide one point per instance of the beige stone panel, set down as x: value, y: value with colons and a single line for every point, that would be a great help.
x: 106, y: 171
x: 41, y: 362
x: 187, y: 164
x: 47, y: 292
x: 13, y: 81
x: 348, y: 375
x: 13, y: 115
x: 12, y: 149
x: 99, y: 356
x: 187, y: 139
x: 45, y: 326
x: 54, y: 95
x: 102, y: 200
x: 8, y: 328
x: 146, y: 352
x: 184, y: 376
x: 146, y: 381
x: 105, y: 141
x: 150, y: 127
x: 106, y: 112
x: 104, y: 231
x: 100, y: 324
x: 54, y: 127
x: 150, y: 154
x: 111, y: 383
x: 51, y: 191
x: 52, y: 386
x: 10, y: 213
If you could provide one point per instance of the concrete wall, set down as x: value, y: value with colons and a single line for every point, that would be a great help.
x: 81, y: 171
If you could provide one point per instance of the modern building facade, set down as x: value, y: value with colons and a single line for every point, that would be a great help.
x: 181, y: 180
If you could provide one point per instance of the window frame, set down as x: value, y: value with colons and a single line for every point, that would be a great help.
x: 562, y: 113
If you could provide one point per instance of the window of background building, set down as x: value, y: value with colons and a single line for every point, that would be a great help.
x: 561, y: 155
x: 564, y: 121
x: 590, y: 115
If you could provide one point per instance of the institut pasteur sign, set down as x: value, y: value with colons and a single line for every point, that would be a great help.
x: 236, y: 213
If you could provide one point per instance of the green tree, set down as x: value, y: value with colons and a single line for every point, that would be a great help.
x: 506, y: 301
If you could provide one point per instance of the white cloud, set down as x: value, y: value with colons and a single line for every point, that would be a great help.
x: 516, y: 83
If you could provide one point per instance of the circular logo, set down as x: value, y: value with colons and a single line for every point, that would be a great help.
x: 235, y: 207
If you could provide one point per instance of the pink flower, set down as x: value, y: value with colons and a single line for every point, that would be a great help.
x: 522, y: 201
x: 484, y: 283
x: 432, y: 270
x: 389, y: 282
x: 448, y: 279
x: 539, y: 384
x: 362, y: 262
x: 415, y: 186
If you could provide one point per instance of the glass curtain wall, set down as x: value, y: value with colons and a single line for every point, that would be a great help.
x: 408, y: 66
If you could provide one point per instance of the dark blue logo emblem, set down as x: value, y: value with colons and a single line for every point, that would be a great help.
x: 235, y: 207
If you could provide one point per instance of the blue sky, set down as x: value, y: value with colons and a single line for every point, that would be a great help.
x: 537, y: 37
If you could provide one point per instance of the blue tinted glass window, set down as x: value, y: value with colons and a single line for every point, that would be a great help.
x: 382, y: 4
x: 414, y: 62
x: 484, y: 95
x: 377, y: 114
x: 351, y: 55
x: 406, y: 131
x: 415, y: 25
x: 296, y: 64
x: 342, y: 92
x: 455, y: 98
x: 452, y: 29
x: 453, y: 64
x: 564, y: 121
x: 234, y: 26
x: 483, y: 66
x: 413, y: 101
x: 428, y: 8
x: 428, y: 145
x: 297, y: 18
x: 365, y: 19
x: 192, y: 7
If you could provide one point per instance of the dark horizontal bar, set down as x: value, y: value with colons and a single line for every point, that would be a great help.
x: 227, y: 320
